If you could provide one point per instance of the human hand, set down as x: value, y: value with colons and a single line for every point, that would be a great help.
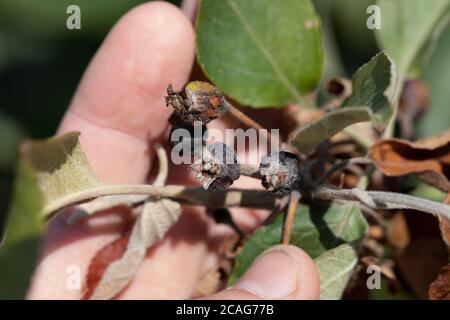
x: 119, y: 108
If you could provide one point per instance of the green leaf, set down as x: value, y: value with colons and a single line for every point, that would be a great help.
x: 372, y: 85
x: 335, y: 267
x: 47, y: 171
x: 260, y: 52
x: 10, y: 135
x: 309, y: 137
x: 316, y: 229
x: 18, y: 250
x: 437, y: 118
x: 406, y: 27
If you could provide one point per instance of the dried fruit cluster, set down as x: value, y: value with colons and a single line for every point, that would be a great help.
x: 217, y: 165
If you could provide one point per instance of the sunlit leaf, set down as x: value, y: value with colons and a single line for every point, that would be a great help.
x: 371, y: 86
x: 260, y: 52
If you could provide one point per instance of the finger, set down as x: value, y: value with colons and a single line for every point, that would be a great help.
x: 190, y: 251
x: 282, y: 272
x: 119, y: 104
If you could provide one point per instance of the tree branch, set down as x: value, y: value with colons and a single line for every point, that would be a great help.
x: 258, y: 199
x: 383, y: 200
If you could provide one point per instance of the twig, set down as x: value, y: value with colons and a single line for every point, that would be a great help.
x: 163, y: 171
x: 252, y: 198
x: 341, y: 165
x: 247, y: 121
x: 281, y: 207
x: 111, y: 201
x: 258, y: 199
x: 104, y: 203
x: 373, y: 214
x: 292, y: 210
x: 383, y: 200
x: 242, y: 117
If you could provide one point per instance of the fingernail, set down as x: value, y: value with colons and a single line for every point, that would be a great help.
x: 273, y: 275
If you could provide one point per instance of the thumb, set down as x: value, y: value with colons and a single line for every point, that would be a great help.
x: 281, y: 272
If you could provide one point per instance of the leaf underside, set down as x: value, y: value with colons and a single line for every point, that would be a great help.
x: 309, y: 137
x: 47, y: 170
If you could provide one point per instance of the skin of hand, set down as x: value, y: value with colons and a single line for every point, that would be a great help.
x: 119, y: 108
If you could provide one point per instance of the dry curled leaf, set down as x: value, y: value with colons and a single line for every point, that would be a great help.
x: 109, y: 253
x: 440, y: 288
x: 429, y: 158
x: 420, y: 263
x: 444, y: 226
x: 341, y: 89
x: 150, y: 227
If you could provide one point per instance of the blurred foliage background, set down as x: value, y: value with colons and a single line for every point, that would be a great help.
x: 41, y: 62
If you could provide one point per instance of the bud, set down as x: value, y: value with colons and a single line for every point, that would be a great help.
x: 197, y: 101
x: 218, y: 167
x: 280, y: 172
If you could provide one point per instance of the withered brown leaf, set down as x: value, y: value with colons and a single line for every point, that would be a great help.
x: 440, y: 288
x: 106, y: 279
x: 428, y: 158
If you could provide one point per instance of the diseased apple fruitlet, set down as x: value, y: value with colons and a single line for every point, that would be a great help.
x: 197, y: 101
x: 280, y: 172
x: 218, y: 167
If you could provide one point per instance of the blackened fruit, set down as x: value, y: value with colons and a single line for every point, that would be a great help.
x: 280, y: 172
x: 217, y: 167
x: 197, y: 101
x: 192, y: 140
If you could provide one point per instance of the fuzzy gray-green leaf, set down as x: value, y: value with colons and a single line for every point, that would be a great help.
x: 335, y: 267
x: 372, y: 86
x: 309, y: 137
x: 47, y: 171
